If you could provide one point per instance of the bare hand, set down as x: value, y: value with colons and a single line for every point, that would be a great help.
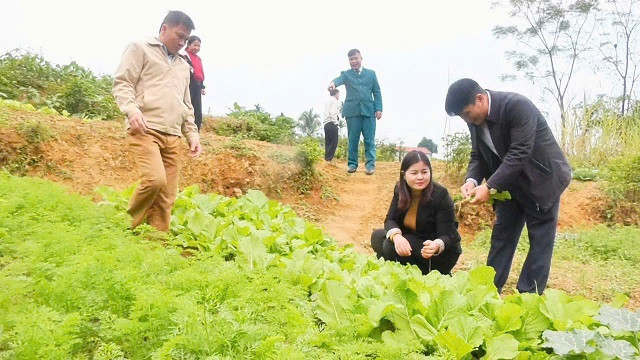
x: 195, y: 148
x: 203, y: 91
x: 430, y: 248
x: 481, y: 194
x: 331, y: 86
x: 402, y: 245
x: 137, y: 124
x: 466, y: 188
x: 378, y: 114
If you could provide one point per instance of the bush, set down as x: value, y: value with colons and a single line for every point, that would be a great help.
x: 68, y: 88
x: 257, y: 125
x: 35, y: 131
x: 308, y: 154
x: 384, y: 151
x: 457, y: 151
x: 622, y: 185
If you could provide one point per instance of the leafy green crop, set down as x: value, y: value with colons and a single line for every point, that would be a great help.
x: 266, y: 285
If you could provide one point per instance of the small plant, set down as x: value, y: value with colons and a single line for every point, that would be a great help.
x: 328, y: 193
x: 36, y: 132
x: 239, y: 148
x: 585, y: 174
x: 307, y: 156
x: 280, y: 157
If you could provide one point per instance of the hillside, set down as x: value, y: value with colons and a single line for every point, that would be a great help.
x: 82, y: 155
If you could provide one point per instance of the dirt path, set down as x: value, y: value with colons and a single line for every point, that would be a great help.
x: 362, y: 207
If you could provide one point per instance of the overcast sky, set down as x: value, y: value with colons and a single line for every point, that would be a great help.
x: 282, y: 54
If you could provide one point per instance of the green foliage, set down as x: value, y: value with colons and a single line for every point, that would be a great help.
x: 35, y: 131
x: 77, y: 284
x: 385, y: 151
x: 256, y: 124
x: 70, y: 88
x: 596, y: 134
x: 585, y: 174
x: 603, y: 244
x: 308, y: 154
x: 622, y: 178
x: 239, y: 147
x: 429, y: 144
x: 309, y: 123
x: 457, y: 153
x: 280, y: 157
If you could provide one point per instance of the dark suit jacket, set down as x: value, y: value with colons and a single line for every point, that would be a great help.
x: 363, y: 93
x: 435, y: 220
x: 530, y: 157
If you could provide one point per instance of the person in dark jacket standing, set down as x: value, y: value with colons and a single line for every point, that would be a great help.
x: 420, y: 227
x: 513, y: 149
x: 196, y: 85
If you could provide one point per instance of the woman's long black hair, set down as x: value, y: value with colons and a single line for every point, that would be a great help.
x: 404, y: 192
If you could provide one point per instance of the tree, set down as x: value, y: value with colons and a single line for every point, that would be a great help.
x: 552, y: 37
x: 309, y: 122
x: 619, y: 46
x: 429, y: 144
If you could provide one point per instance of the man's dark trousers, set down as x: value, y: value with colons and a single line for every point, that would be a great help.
x: 330, y: 140
x: 511, y: 215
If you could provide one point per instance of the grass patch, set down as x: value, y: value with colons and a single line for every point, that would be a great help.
x: 597, y: 263
x: 240, y: 148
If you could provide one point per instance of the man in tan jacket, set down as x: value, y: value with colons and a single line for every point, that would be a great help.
x: 151, y: 88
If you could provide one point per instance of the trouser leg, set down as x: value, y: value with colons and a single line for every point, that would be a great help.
x: 504, y: 239
x: 146, y: 149
x: 354, y: 129
x: 196, y: 102
x: 541, y: 226
x: 159, y: 215
x: 330, y: 140
x: 369, y: 136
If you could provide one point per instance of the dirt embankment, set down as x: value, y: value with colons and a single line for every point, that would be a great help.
x: 82, y: 155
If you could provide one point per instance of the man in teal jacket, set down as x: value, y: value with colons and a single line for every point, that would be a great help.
x: 361, y: 108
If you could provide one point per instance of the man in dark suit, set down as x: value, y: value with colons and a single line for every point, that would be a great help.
x: 513, y: 149
x: 362, y: 106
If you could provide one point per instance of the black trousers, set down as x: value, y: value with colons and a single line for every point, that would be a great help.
x: 511, y: 216
x: 196, y: 101
x: 330, y: 140
x: 385, y: 249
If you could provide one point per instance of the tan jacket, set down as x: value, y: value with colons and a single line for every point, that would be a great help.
x: 145, y: 82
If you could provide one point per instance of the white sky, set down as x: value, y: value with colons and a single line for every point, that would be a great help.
x: 283, y: 53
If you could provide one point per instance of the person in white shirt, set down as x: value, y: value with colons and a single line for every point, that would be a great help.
x: 332, y: 111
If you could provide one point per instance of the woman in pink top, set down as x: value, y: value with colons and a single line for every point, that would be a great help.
x: 196, y: 86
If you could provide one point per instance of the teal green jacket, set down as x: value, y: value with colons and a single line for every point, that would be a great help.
x: 363, y: 93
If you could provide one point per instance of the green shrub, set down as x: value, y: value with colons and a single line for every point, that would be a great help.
x: 457, y: 152
x: 239, y: 147
x: 27, y: 77
x: 585, y: 174
x: 386, y: 151
x: 257, y: 125
x: 35, y: 131
x: 308, y: 154
x: 623, y: 178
